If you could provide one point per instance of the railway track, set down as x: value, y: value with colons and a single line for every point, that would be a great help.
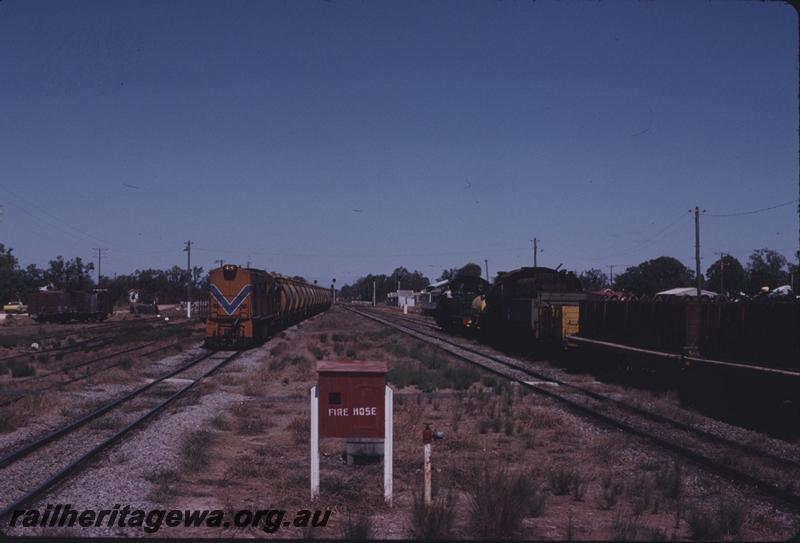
x: 29, y: 471
x: 39, y: 382
x: 772, y: 474
x: 97, y: 341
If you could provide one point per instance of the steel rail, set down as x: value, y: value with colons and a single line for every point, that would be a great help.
x: 518, y: 364
x: 47, y: 438
x: 764, y: 486
x: 82, y: 364
x: 75, y: 464
x: 78, y: 344
x: 683, y: 358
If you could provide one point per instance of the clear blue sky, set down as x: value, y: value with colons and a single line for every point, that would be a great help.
x: 461, y: 130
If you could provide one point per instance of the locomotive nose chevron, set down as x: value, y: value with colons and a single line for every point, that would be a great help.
x: 233, y: 305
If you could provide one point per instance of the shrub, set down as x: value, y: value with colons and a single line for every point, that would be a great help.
x: 278, y: 364
x: 611, y: 491
x: 319, y: 353
x: 195, y: 449
x: 562, y: 480
x: 461, y: 377
x: 625, y: 529
x: 300, y: 427
x: 668, y: 480
x: 725, y: 520
x: 434, y: 522
x: 496, y: 499
x: 360, y: 527
x: 22, y: 369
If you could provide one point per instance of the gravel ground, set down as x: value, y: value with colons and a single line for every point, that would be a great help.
x: 254, y: 415
x: 120, y: 475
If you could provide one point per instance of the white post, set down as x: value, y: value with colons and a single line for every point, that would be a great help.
x: 189, y: 310
x: 405, y: 309
x: 388, y: 452
x: 314, y: 443
x: 427, y: 454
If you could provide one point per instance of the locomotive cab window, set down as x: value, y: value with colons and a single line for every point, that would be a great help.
x: 229, y: 273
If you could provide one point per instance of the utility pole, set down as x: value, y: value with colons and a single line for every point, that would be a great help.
x: 486, y: 263
x: 100, y: 253
x: 333, y: 290
x: 611, y: 274
x: 535, y: 251
x: 697, y: 248
x: 373, y: 294
x: 188, y: 250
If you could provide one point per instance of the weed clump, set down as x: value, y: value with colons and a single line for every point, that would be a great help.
x: 669, y: 480
x: 497, y: 499
x: 612, y: 490
x: 195, y: 449
x: 21, y: 369
x: 725, y: 520
x: 360, y: 527
x: 434, y: 522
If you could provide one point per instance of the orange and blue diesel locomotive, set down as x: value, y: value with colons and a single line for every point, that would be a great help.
x: 248, y: 305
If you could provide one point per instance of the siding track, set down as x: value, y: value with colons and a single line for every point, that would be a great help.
x: 774, y: 475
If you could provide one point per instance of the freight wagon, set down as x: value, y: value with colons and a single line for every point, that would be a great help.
x: 66, y: 306
x: 533, y: 303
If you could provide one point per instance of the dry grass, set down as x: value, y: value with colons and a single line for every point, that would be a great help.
x: 435, y: 522
x: 499, y: 500
x: 358, y: 527
x: 578, y: 481
x: 251, y: 466
x: 165, y: 485
x: 300, y: 429
x: 108, y: 422
x: 195, y: 450
x: 27, y: 408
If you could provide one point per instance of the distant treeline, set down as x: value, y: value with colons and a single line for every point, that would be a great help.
x: 165, y: 286
x: 764, y: 268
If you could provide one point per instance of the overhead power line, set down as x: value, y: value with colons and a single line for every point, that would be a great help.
x: 754, y: 211
x: 376, y: 255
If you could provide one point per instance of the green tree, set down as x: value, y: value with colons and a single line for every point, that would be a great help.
x: 69, y: 274
x: 726, y: 273
x: 449, y: 274
x: 469, y: 269
x: 361, y: 289
x: 766, y: 268
x: 655, y: 275
x: 10, y: 280
x: 593, y: 279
